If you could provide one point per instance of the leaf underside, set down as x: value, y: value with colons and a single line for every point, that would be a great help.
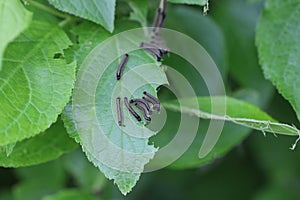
x: 104, y: 100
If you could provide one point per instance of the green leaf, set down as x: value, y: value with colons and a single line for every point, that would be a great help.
x: 276, y: 192
x: 139, y: 11
x: 14, y: 19
x: 71, y: 194
x: 241, y: 17
x: 101, y: 12
x: 33, y: 190
x: 231, y: 136
x: 36, y: 82
x: 85, y: 175
x: 285, y: 164
x: 255, y: 1
x: 278, y: 42
x: 42, y: 148
x: 6, y: 195
x: 191, y: 2
x: 186, y: 20
x: 57, y: 178
x: 124, y: 180
x: 105, y: 99
x: 7, y: 148
x: 238, y: 112
x: 39, y: 9
x: 39, y: 181
x: 89, y: 36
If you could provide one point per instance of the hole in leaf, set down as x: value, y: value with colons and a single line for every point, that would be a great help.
x: 58, y: 56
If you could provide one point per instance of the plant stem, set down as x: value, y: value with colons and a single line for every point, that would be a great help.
x: 46, y: 8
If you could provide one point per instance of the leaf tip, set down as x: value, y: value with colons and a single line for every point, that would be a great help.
x: 126, y: 183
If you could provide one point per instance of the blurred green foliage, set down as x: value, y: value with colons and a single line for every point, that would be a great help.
x: 260, y: 168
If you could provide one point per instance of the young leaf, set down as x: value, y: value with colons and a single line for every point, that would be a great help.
x: 278, y: 44
x: 101, y: 12
x: 14, y: 19
x: 36, y: 82
x: 105, y: 100
x: 238, y: 112
x: 42, y: 148
x: 191, y: 2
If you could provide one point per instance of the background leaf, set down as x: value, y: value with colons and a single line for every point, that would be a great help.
x: 245, y: 72
x: 258, y: 167
x: 101, y: 12
x: 35, y: 81
x: 42, y: 148
x: 191, y: 2
x: 40, y: 14
x: 89, y: 35
x: 35, y: 183
x: 71, y: 194
x: 278, y: 42
x: 231, y: 136
x: 186, y: 20
x: 14, y: 19
x: 86, y: 176
x: 139, y: 11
